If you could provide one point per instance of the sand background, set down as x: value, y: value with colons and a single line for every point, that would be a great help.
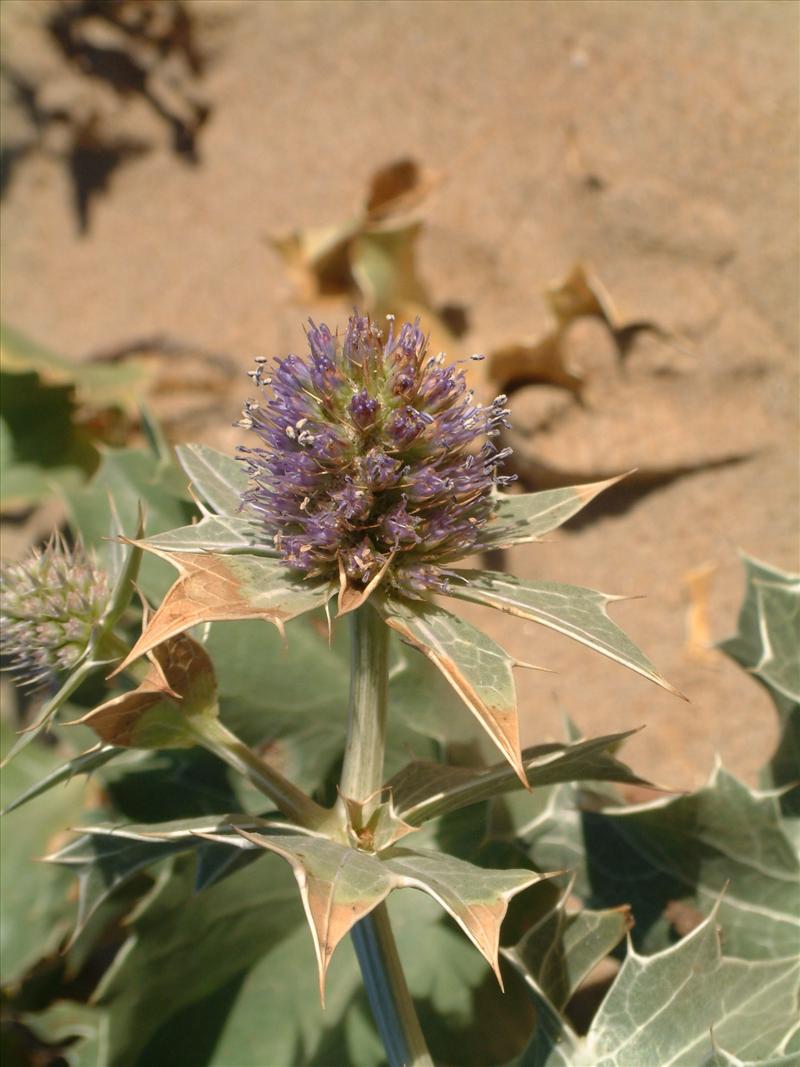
x: 655, y: 141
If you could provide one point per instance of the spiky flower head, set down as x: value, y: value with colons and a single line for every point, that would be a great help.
x: 376, y: 463
x: 50, y: 603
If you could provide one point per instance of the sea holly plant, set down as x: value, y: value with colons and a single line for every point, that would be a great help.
x: 372, y: 474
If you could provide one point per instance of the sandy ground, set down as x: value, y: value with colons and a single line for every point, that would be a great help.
x: 657, y: 141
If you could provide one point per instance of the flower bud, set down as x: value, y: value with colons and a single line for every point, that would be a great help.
x: 50, y: 604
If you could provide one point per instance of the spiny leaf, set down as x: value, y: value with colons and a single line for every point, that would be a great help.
x: 83, y: 764
x: 218, y: 588
x: 104, y: 864
x: 779, y: 621
x: 528, y: 517
x: 80, y: 673
x: 267, y: 699
x: 189, y: 831
x: 104, y: 858
x: 35, y: 909
x: 750, y: 1006
x: 664, y: 1009
x: 478, y: 669
x: 562, y: 947
x: 720, y: 1058
x: 351, y: 597
x: 340, y: 885
x: 227, y: 1027
x: 126, y: 560
x: 682, y: 852
x: 571, y: 610
x: 423, y: 791
x: 475, y: 897
x: 128, y: 482
x: 217, y: 479
x: 767, y: 645
x: 186, y: 979
x: 184, y: 945
x: 766, y: 640
x: 216, y: 533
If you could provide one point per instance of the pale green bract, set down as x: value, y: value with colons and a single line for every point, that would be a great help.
x: 575, y: 612
x: 217, y: 479
x: 673, y: 1008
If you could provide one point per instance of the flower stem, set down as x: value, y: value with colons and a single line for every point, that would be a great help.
x: 362, y: 775
x: 362, y: 772
x: 387, y: 991
x: 293, y: 802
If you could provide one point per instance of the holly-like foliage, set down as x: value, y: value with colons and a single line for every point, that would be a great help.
x: 190, y: 931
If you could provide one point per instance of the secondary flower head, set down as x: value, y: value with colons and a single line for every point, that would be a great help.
x: 50, y: 603
x: 376, y: 461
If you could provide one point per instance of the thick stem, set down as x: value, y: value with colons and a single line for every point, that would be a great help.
x: 387, y: 991
x: 362, y: 776
x: 362, y: 772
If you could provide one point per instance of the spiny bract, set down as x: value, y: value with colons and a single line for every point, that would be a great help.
x: 51, y: 601
x: 372, y: 464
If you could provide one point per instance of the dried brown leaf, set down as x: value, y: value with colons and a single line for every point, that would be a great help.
x: 179, y: 685
x: 220, y: 588
x: 699, y: 643
x: 398, y: 186
x: 537, y: 361
x: 580, y: 294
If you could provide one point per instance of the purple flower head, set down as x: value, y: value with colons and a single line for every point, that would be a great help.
x: 374, y: 458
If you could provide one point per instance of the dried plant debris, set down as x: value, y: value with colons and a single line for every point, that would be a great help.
x: 697, y: 583
x: 579, y: 295
x: 370, y: 258
x: 582, y: 392
x: 398, y: 186
x: 106, y: 59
